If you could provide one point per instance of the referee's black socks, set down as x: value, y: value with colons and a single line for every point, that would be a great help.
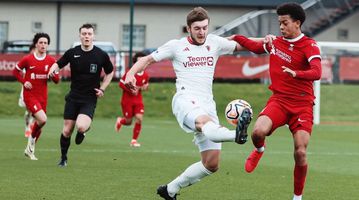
x: 65, y: 144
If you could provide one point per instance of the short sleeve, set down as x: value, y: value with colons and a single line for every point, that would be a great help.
x: 23, y: 63
x: 108, y: 67
x: 65, y: 59
x: 312, y: 51
x: 165, y: 51
x: 225, y: 46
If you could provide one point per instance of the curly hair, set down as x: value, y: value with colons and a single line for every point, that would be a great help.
x: 37, y: 36
x: 294, y: 10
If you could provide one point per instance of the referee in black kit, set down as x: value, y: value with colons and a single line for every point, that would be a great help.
x: 86, y: 63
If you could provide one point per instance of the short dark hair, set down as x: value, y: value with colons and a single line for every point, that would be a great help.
x: 87, y: 25
x: 294, y: 10
x: 138, y: 55
x: 197, y: 14
x: 37, y: 36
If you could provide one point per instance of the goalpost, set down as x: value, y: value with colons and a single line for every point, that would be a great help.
x: 329, y: 48
x: 316, y: 109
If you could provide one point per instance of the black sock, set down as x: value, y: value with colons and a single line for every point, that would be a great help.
x: 65, y: 144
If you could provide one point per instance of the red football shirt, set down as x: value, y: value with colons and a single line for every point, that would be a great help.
x: 127, y: 96
x: 295, y: 54
x: 36, y: 73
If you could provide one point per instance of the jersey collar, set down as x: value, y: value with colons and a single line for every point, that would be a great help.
x: 295, y: 39
x: 191, y: 41
x: 39, y: 58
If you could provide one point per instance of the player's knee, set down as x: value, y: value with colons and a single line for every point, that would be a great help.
x: 41, y: 122
x: 138, y: 120
x: 201, y: 121
x: 259, y: 132
x: 212, y: 166
x: 300, y: 154
x: 82, y: 128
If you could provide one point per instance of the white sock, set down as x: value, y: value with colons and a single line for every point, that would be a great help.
x: 297, y: 197
x: 260, y: 149
x: 217, y: 133
x: 190, y: 176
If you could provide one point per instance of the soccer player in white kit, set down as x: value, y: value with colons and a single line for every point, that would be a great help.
x: 194, y: 59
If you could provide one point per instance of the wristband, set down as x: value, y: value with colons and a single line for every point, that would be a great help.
x: 103, y: 91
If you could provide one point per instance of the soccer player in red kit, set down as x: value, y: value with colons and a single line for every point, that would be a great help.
x: 36, y: 65
x: 294, y: 63
x: 132, y: 103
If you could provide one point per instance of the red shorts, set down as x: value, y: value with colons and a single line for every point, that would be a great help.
x: 298, y: 117
x: 129, y: 109
x: 33, y: 104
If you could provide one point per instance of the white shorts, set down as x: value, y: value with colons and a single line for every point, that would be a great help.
x: 187, y: 108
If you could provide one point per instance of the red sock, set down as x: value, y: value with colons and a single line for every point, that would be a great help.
x: 36, y: 131
x: 136, y: 131
x: 300, y: 173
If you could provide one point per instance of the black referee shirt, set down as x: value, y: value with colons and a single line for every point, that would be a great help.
x: 86, y: 67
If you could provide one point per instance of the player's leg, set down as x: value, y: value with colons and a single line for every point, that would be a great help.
x: 301, y: 125
x: 212, y: 130
x: 84, y: 120
x: 136, y: 130
x: 210, y: 156
x: 127, y: 113
x: 40, y: 121
x: 29, y: 120
x: 139, y: 111
x: 65, y: 140
x: 71, y: 110
x: 262, y: 128
x: 272, y: 116
x: 83, y: 123
x: 301, y: 140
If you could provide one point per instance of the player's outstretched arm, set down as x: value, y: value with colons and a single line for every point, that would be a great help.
x: 254, y: 45
x: 139, y: 66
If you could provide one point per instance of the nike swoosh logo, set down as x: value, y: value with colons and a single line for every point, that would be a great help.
x: 32, y: 67
x: 76, y: 56
x: 250, y: 71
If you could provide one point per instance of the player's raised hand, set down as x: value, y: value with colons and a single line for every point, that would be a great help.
x: 130, y: 82
x: 289, y: 71
x: 231, y: 37
x: 269, y: 39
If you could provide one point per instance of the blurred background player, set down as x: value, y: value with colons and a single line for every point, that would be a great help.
x: 29, y: 120
x: 132, y: 103
x: 194, y: 59
x: 294, y: 64
x: 86, y: 64
x: 36, y: 66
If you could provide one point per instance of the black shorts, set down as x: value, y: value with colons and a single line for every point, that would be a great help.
x: 73, y: 109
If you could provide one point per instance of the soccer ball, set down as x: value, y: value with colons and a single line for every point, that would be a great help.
x: 234, y: 110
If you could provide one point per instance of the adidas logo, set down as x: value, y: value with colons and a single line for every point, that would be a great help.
x: 186, y: 49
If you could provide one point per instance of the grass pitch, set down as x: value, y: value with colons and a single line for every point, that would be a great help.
x: 106, y: 167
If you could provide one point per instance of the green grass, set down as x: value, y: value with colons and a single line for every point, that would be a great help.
x: 105, y: 167
x: 338, y: 102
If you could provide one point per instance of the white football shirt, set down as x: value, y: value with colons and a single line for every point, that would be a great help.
x: 194, y: 65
